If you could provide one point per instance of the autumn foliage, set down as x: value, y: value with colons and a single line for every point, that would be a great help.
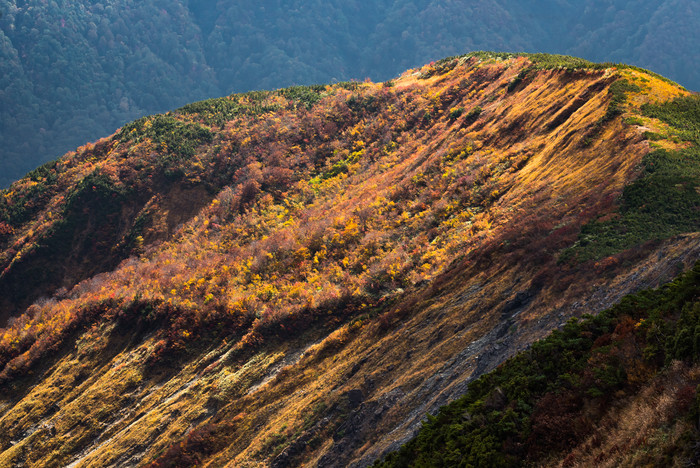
x: 294, y: 225
x: 258, y: 217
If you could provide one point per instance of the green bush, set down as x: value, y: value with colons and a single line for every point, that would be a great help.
x: 473, y: 114
x: 218, y: 111
x: 23, y: 204
x: 683, y: 114
x: 456, y: 112
x: 518, y: 79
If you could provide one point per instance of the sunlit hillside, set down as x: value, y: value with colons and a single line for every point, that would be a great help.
x: 73, y: 71
x: 297, y: 277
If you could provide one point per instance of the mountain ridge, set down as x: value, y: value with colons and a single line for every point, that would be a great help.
x: 119, y: 60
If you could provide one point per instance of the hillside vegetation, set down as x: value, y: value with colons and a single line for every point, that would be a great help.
x: 616, y: 389
x: 72, y: 72
x: 297, y: 277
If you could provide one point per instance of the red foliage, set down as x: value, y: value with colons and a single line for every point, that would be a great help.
x: 199, y: 443
x: 606, y: 264
x: 5, y: 230
x: 624, y: 328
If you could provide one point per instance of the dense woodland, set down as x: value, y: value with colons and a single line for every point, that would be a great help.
x: 72, y: 72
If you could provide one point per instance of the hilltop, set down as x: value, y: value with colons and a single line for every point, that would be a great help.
x: 300, y: 276
x: 72, y: 72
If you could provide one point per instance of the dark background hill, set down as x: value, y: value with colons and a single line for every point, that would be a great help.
x: 75, y: 71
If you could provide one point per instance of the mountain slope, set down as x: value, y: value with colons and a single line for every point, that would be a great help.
x: 297, y: 277
x: 617, y: 389
x: 74, y: 71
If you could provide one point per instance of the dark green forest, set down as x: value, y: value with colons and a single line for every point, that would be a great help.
x: 72, y: 72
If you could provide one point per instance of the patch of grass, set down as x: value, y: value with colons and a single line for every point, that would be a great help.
x: 653, y: 136
x: 339, y: 167
x: 664, y: 201
x: 170, y: 134
x: 307, y: 96
x: 634, y: 121
x: 218, y: 111
x: 683, y: 114
x: 618, y: 97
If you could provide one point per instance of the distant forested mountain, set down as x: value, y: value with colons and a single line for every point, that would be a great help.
x: 75, y: 71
